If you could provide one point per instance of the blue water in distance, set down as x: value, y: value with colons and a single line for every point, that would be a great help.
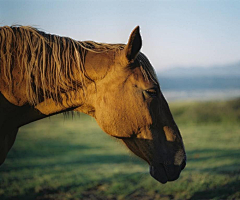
x: 200, y: 88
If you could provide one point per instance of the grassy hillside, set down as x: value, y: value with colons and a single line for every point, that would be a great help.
x: 69, y: 158
x: 222, y: 112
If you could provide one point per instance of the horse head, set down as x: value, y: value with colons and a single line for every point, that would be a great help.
x: 129, y: 105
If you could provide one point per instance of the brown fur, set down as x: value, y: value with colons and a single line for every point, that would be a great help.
x: 43, y: 74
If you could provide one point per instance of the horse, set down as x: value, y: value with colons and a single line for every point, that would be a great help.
x: 43, y: 74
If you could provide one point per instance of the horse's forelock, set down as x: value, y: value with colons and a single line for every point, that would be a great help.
x: 146, y: 68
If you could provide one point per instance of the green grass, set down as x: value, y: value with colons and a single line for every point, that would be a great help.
x: 65, y: 158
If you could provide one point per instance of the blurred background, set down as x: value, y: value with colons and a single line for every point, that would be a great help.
x: 194, y: 47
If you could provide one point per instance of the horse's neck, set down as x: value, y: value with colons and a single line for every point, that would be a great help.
x: 14, y: 114
x: 96, y: 65
x: 50, y: 107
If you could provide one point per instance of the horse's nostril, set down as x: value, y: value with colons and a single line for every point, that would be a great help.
x: 183, y: 165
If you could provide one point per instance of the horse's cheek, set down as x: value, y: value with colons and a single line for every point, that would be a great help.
x: 108, y: 124
x: 113, y: 121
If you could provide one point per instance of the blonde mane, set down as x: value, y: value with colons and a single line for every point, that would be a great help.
x: 49, y: 64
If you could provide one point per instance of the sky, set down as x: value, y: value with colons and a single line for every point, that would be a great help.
x: 174, y: 32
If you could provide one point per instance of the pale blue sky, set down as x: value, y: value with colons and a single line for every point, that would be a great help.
x: 175, y: 33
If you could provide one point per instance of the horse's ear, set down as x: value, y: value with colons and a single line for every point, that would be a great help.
x: 134, y: 44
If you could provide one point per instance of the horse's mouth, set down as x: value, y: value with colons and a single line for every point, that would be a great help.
x: 164, y: 173
x: 161, y: 172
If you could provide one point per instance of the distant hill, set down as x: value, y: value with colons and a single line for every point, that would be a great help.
x: 231, y: 70
x: 201, y: 78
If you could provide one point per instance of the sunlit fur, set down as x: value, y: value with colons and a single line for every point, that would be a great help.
x: 49, y: 64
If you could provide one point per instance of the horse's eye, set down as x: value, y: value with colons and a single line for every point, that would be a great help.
x: 151, y: 92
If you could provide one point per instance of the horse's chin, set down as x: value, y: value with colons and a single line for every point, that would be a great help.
x: 163, y: 174
x: 159, y: 174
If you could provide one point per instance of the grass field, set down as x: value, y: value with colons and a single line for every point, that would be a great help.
x: 65, y: 158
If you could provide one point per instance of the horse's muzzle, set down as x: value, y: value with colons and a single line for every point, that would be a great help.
x: 164, y: 173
